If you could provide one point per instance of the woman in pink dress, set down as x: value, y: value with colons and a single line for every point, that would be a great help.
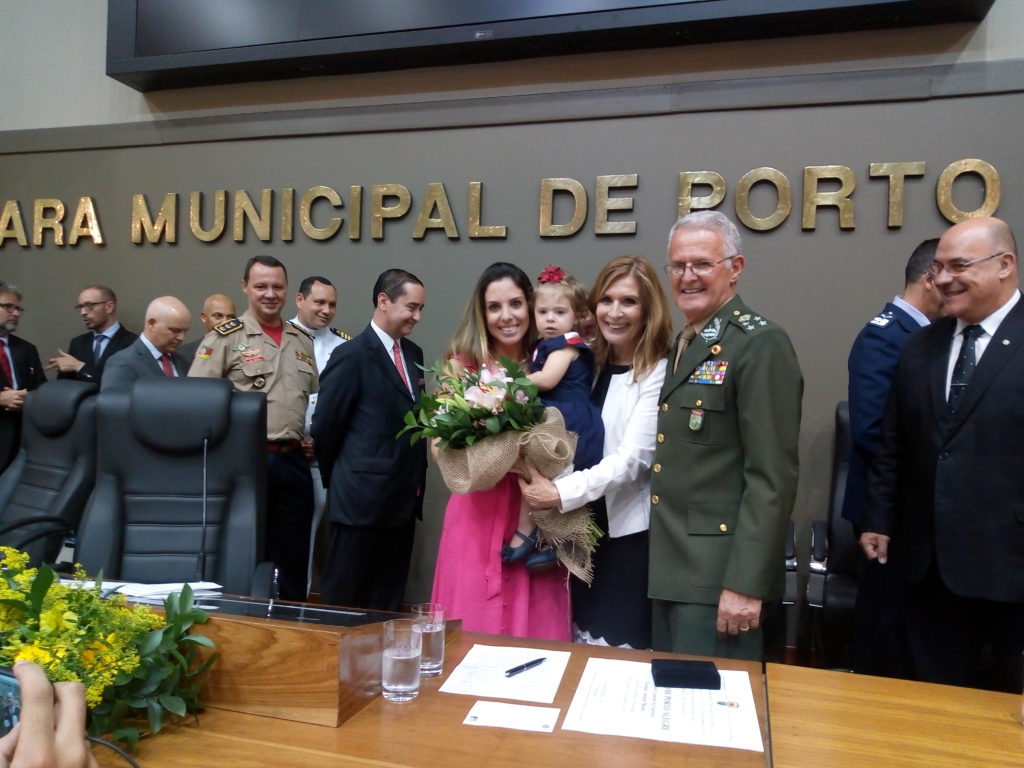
x: 470, y: 579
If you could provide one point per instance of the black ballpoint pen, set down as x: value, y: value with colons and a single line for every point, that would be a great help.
x: 523, y: 667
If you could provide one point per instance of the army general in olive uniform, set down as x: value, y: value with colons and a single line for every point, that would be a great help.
x: 259, y: 352
x: 726, y: 462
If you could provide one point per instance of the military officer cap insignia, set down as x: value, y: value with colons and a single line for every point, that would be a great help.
x: 259, y: 382
x: 341, y: 334
x: 229, y: 326
x: 298, y: 327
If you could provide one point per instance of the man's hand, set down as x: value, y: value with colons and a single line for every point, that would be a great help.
x: 737, y: 613
x: 307, y: 447
x: 12, y: 399
x: 875, y: 546
x: 64, y: 362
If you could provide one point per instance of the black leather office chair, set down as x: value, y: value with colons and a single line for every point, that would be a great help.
x: 145, y: 520
x: 835, y: 559
x: 44, y: 490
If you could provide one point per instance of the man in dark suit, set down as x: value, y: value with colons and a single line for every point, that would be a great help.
x: 20, y: 371
x: 155, y: 353
x: 375, y: 480
x: 88, y: 354
x: 945, y: 490
x: 877, y: 645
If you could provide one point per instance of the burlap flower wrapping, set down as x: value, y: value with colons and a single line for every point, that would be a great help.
x: 550, y: 448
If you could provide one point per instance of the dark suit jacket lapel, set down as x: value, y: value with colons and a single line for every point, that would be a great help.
x: 413, y: 359
x: 1000, y: 349
x: 941, y: 337
x: 382, y: 358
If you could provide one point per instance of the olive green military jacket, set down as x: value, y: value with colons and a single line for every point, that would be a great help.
x: 726, y: 461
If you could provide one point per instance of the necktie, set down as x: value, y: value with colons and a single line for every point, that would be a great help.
x: 97, y: 347
x: 397, y: 354
x: 165, y: 363
x: 965, y: 364
x: 5, y: 364
x: 685, y: 337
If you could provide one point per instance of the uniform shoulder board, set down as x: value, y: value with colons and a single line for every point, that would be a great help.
x: 881, y: 320
x: 229, y: 326
x: 341, y: 334
x: 298, y: 327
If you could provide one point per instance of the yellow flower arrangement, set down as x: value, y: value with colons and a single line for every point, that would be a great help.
x: 133, y: 662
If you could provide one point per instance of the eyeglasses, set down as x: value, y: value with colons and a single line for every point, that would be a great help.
x: 13, y: 308
x: 90, y: 305
x: 699, y: 268
x: 958, y: 267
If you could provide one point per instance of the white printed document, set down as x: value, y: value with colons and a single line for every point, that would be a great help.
x: 482, y: 673
x: 619, y: 698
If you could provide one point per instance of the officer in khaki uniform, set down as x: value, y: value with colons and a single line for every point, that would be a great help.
x: 259, y: 352
x: 726, y: 461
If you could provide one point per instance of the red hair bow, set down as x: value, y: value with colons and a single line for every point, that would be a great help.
x: 551, y: 275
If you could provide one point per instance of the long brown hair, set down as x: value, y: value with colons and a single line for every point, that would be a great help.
x: 471, y: 343
x: 656, y: 337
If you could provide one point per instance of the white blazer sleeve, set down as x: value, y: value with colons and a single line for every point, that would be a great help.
x: 630, y: 423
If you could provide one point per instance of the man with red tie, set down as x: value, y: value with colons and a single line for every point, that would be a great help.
x: 374, y: 479
x: 155, y: 352
x: 20, y: 371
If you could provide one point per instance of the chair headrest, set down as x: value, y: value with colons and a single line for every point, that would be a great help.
x: 52, y: 408
x: 174, y: 415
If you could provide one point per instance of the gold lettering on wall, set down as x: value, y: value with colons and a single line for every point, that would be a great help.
x: 195, y: 215
x: 783, y: 195
x: 548, y: 188
x: 11, y: 224
x: 944, y: 189
x: 815, y: 199
x: 164, y: 227
x: 688, y: 180
x: 476, y: 229
x: 245, y: 210
x: 42, y: 220
x: 897, y: 174
x: 306, y: 213
x: 436, y: 198
x: 603, y: 203
x: 379, y: 211
x: 355, y: 212
x: 287, y: 215
x: 85, y: 223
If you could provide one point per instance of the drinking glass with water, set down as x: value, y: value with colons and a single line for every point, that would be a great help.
x: 400, y: 662
x: 429, y: 618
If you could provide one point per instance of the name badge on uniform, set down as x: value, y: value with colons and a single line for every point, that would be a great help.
x: 696, y: 419
x: 709, y: 372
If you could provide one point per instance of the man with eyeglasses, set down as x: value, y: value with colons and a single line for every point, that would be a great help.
x: 726, y: 463
x: 88, y: 353
x: 878, y: 647
x: 946, y: 490
x: 20, y: 371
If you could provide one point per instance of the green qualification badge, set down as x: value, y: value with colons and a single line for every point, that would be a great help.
x: 696, y: 419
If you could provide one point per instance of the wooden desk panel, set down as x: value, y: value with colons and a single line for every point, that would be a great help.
x: 428, y: 733
x: 823, y: 719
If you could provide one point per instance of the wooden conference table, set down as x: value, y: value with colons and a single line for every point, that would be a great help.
x: 823, y: 719
x: 428, y: 732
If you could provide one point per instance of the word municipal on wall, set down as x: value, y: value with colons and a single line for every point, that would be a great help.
x: 322, y: 213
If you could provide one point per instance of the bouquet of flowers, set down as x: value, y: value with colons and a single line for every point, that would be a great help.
x: 133, y: 662
x: 489, y: 422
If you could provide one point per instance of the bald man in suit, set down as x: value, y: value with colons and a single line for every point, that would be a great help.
x: 155, y: 353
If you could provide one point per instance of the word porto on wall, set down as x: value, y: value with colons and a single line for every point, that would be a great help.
x: 323, y: 213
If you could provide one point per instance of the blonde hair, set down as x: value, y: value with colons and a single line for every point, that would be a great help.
x: 574, y: 290
x: 656, y: 336
x: 471, y: 344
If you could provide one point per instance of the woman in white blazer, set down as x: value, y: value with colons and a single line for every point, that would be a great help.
x: 634, y: 335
